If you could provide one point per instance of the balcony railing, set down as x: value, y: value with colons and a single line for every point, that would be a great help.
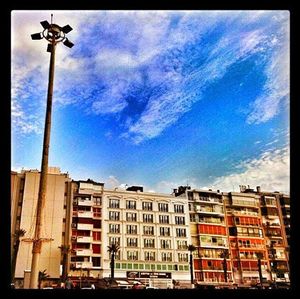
x: 83, y: 214
x: 84, y: 239
x: 83, y: 202
x: 83, y: 252
x: 84, y: 226
x: 82, y: 265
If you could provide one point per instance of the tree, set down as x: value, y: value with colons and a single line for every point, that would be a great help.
x: 225, y: 255
x: 113, y: 249
x: 17, y: 236
x: 259, y: 258
x: 191, y: 248
x: 42, y: 276
x: 64, y: 249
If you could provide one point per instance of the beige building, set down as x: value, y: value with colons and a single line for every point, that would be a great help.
x: 55, y: 229
x: 152, y: 231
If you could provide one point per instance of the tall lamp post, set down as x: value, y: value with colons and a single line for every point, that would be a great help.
x: 53, y: 34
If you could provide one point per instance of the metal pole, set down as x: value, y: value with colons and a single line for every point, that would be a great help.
x: 37, y: 243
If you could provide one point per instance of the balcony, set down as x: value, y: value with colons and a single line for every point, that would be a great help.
x: 243, y: 212
x: 82, y: 265
x: 206, y: 210
x: 84, y: 226
x: 83, y: 252
x: 83, y: 214
x: 245, y: 203
x: 84, y: 239
x: 83, y: 202
x: 212, y: 200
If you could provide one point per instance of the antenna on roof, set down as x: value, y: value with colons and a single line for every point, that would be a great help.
x: 52, y: 18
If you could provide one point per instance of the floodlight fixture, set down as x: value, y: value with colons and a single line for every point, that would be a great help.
x: 54, y: 34
x: 45, y: 24
x: 66, y: 29
x: 36, y: 36
x: 68, y: 43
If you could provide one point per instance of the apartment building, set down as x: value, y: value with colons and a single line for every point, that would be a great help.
x: 25, y: 187
x: 152, y: 231
x: 246, y: 237
x: 86, y: 245
x: 209, y: 235
x: 275, y: 220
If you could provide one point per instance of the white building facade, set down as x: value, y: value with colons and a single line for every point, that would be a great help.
x: 153, y: 233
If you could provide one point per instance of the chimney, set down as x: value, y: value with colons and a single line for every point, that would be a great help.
x: 258, y: 189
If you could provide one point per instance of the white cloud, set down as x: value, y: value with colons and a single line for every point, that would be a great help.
x: 163, y: 111
x: 270, y: 171
x: 112, y: 182
x: 276, y: 89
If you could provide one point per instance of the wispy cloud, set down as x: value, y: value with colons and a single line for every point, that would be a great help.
x: 277, y: 71
x: 175, y: 56
x: 270, y: 171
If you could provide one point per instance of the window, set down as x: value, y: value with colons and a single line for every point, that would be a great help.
x: 96, y: 248
x: 181, y: 244
x: 114, y: 228
x: 164, y: 231
x: 96, y: 223
x: 148, y: 218
x: 147, y: 206
x: 163, y: 218
x: 132, y: 242
x: 179, y: 220
x: 212, y: 241
x: 132, y: 255
x: 114, y: 240
x: 114, y: 203
x: 96, y: 261
x: 114, y: 216
x: 166, y: 244
x: 179, y: 208
x: 232, y: 231
x: 130, y: 204
x: 180, y: 232
x: 97, y: 236
x: 194, y: 218
x: 97, y: 201
x: 131, y: 229
x: 96, y: 212
x: 183, y: 257
x: 149, y: 243
x: 131, y: 217
x: 148, y: 230
x: 163, y: 207
x: 166, y: 256
x: 149, y: 256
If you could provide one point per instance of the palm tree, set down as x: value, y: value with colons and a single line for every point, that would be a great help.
x: 17, y: 236
x: 113, y: 249
x: 225, y: 255
x: 191, y: 248
x: 259, y: 258
x: 42, y: 276
x: 65, y: 249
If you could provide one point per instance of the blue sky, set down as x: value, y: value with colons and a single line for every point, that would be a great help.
x: 157, y: 98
